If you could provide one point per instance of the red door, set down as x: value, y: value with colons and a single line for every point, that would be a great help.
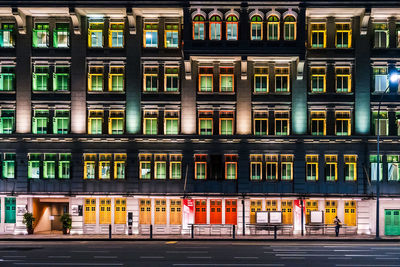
x: 215, y: 211
x: 200, y: 216
x: 230, y: 211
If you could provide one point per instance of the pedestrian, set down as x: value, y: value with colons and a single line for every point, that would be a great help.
x: 337, y: 223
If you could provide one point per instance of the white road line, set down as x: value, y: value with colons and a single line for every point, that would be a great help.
x: 392, y: 253
x: 246, y: 258
x: 387, y: 258
x: 339, y: 258
x: 227, y: 264
x: 348, y: 250
x: 365, y: 265
x: 59, y: 257
x: 105, y: 257
x: 14, y: 256
x: 69, y: 263
x: 366, y: 255
x: 152, y: 257
x: 292, y: 258
x: 90, y: 251
x: 304, y: 255
x: 387, y: 248
x: 199, y: 257
x: 186, y: 251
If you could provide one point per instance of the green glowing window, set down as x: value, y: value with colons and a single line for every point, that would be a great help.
x: 95, y: 122
x: 119, y: 166
x: 7, y: 121
x: 282, y: 80
x: 150, y: 83
x: 273, y: 28
x: 373, y: 159
x: 312, y: 167
x: 281, y: 123
x: 8, y: 166
x: 226, y: 123
x: 256, y: 28
x: 95, y: 34
x: 89, y: 171
x: 40, y: 121
x: 34, y: 165
x: 380, y: 78
x: 343, y: 123
x: 200, y: 166
x: 171, y: 125
x: 150, y: 122
x: 145, y: 166
x: 398, y: 122
x: 160, y: 166
x: 116, y: 79
x: 330, y: 168
x: 61, y: 79
x: 318, y: 35
x: 175, y: 166
x: 198, y: 27
x: 64, y: 165
x: 226, y: 83
x: 393, y: 167
x: 171, y: 79
x: 232, y: 28
x: 230, y: 167
x: 40, y: 78
x: 49, y: 166
x: 40, y: 35
x: 350, y: 167
x: 116, y: 34
x: 383, y: 122
x: 215, y: 28
x: 61, y: 35
x: 150, y: 34
x: 116, y: 122
x: 260, y: 123
x: 171, y: 36
x: 343, y: 80
x: 95, y: 79
x: 261, y: 80
x: 256, y: 167
x: 61, y: 122
x: 206, y: 126
x: 289, y: 28
x: 381, y: 35
x: 286, y: 167
x: 318, y: 80
x: 7, y: 79
x: 205, y: 79
x: 7, y: 38
x: 10, y: 210
x: 318, y: 122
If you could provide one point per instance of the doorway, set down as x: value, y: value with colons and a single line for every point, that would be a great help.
x: 47, y: 213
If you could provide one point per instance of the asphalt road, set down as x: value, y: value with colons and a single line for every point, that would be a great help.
x: 198, y: 253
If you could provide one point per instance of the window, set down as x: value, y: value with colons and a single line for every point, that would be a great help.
x: 318, y: 122
x: 232, y: 28
x: 90, y: 211
x: 330, y: 168
x: 116, y: 79
x: 7, y: 78
x: 64, y: 165
x: 282, y: 80
x: 231, y: 167
x: 10, y: 207
x: 318, y: 80
x: 171, y: 122
x: 7, y: 38
x: 226, y: 82
x: 40, y: 121
x: 381, y: 81
x: 95, y: 79
x: 40, y: 78
x: 256, y: 167
x: 260, y: 123
x: 116, y: 122
x: 383, y: 123
x: 226, y: 125
x: 61, y: 79
x: 198, y: 27
x: 318, y: 35
x: 343, y: 123
x: 205, y: 122
x: 34, y: 165
x: 61, y: 35
x: 119, y: 166
x: 116, y: 35
x: 95, y: 121
x: 350, y: 167
x: 393, y: 167
x: 312, y: 167
x: 171, y: 79
x: 175, y: 166
x: 215, y: 28
x: 40, y: 35
x: 381, y: 35
x: 120, y: 211
x: 273, y: 28
x: 343, y: 80
x: 200, y: 166
x: 256, y: 25
x: 89, y: 166
x: 150, y: 33
x: 150, y: 125
x: 271, y: 205
x: 286, y: 167
x: 350, y: 213
x: 171, y: 36
x: 289, y: 28
x: 373, y: 159
x: 281, y: 122
x: 150, y: 83
x: 95, y: 34
x: 8, y: 166
x: 145, y: 166
x: 271, y: 166
x: 105, y: 166
x: 261, y: 80
x: 49, y: 166
x: 61, y: 121
x: 7, y: 121
x: 105, y: 211
x: 343, y: 35
x: 205, y: 80
x: 160, y: 166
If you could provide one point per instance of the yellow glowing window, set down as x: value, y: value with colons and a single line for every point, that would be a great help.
x: 150, y: 79
x: 205, y: 126
x: 330, y: 211
x: 119, y: 166
x: 311, y: 205
x: 318, y: 80
x: 89, y: 171
x: 171, y: 122
x: 261, y: 80
x: 90, y: 211
x: 200, y: 167
x: 282, y: 126
x: 95, y: 121
x: 256, y: 168
x: 289, y: 28
x: 343, y: 35
x: 271, y: 205
x: 105, y: 211
x: 318, y: 122
x: 260, y: 123
x: 120, y: 211
x: 205, y: 79
x: 282, y: 83
x: 226, y: 123
x: 226, y: 80
x: 150, y: 35
x: 343, y: 123
x: 116, y: 35
x: 171, y: 36
x: 286, y: 167
x: 95, y: 79
x: 343, y: 80
x: 105, y: 166
x: 312, y: 167
x: 95, y: 34
x: 171, y: 79
x: 116, y: 79
x: 273, y: 29
x: 256, y: 26
x: 231, y: 167
x: 350, y: 167
x: 318, y: 35
x: 160, y: 166
x: 145, y: 166
x: 175, y: 166
x: 116, y: 122
x: 271, y: 167
x: 330, y: 168
x: 150, y: 125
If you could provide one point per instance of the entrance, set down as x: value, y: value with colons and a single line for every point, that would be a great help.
x: 47, y: 213
x: 392, y: 222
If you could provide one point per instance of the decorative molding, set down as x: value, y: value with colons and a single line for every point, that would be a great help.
x: 300, y: 70
x: 364, y: 23
x: 76, y: 21
x: 273, y: 12
x: 243, y: 69
x: 256, y: 12
x: 199, y: 12
x: 188, y: 70
x: 215, y: 12
x: 20, y: 18
x: 290, y: 12
x: 232, y: 12
x: 130, y: 14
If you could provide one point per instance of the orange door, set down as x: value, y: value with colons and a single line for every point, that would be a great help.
x: 200, y: 216
x: 230, y: 211
x: 215, y: 211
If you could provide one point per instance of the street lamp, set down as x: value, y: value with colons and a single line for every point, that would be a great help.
x: 393, y: 78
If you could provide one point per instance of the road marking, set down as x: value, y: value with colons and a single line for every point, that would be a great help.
x: 69, y: 263
x: 348, y: 250
x: 186, y: 251
x: 90, y: 251
x: 365, y: 265
x: 246, y: 258
x: 14, y: 256
x: 339, y: 258
x: 292, y: 258
x: 105, y: 257
x: 363, y: 255
x: 387, y: 258
x: 199, y: 257
x: 304, y: 255
x: 226, y: 264
x: 59, y: 257
x: 152, y: 257
x: 171, y: 242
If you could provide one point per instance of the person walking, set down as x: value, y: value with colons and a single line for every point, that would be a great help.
x: 337, y: 223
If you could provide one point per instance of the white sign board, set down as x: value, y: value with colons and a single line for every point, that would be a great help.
x: 51, y: 218
x: 262, y: 217
x: 275, y: 217
x: 317, y: 216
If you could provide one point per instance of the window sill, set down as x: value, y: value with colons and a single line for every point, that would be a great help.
x: 216, y: 93
x: 51, y: 92
x: 7, y: 92
x: 105, y: 93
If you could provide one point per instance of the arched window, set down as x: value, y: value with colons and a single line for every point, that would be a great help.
x: 256, y: 25
x: 232, y: 28
x: 273, y: 28
x: 289, y: 28
x: 215, y: 28
x: 198, y: 27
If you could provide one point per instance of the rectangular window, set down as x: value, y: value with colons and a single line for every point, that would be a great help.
x: 40, y: 78
x: 89, y: 166
x: 145, y: 211
x: 64, y: 166
x: 10, y: 210
x: 171, y: 122
x: 343, y: 80
x: 330, y: 168
x: 34, y: 165
x: 95, y: 79
x: 61, y: 79
x: 7, y: 121
x: 116, y: 79
x: 260, y: 122
x: 232, y: 28
x: 318, y: 122
x: 273, y: 31
x: 40, y: 35
x: 171, y: 79
x: 7, y: 78
x: 8, y: 166
x: 160, y: 166
x: 160, y: 213
x: 226, y: 124
x: 61, y: 121
x: 318, y: 35
x: 312, y: 167
x: 205, y: 79
x: 343, y: 35
x: 226, y: 80
x: 282, y: 80
x: 271, y: 167
x: 289, y: 28
x: 318, y: 80
x: 120, y: 211
x: 150, y: 35
x: 373, y: 159
x: 261, y: 80
x: 231, y: 167
x: 116, y: 35
x: 286, y: 167
x: 343, y: 123
x: 95, y: 121
x: 61, y: 35
x: 145, y: 166
x: 215, y: 28
x: 105, y: 166
x: 200, y: 161
x: 49, y: 166
x: 119, y: 166
x: 150, y: 125
x: 271, y: 205
x: 393, y: 167
x: 40, y: 121
x: 90, y: 211
x: 105, y: 211
x: 150, y: 79
x: 256, y: 25
x: 205, y: 122
x: 175, y: 166
x: 175, y: 212
x: 256, y: 167
x: 198, y: 28
x: 281, y: 122
x: 381, y: 35
x: 116, y: 122
x: 383, y: 123
x: 381, y: 81
x: 350, y: 167
x: 171, y: 36
x: 95, y: 34
x: 7, y: 38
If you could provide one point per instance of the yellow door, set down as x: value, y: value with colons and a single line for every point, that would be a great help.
x: 90, y: 211
x: 287, y: 211
x: 255, y: 205
x: 105, y: 211
x: 160, y: 216
x: 175, y: 211
x: 120, y: 211
x: 311, y: 205
x: 271, y: 205
x: 350, y: 213
x: 330, y: 211
x: 145, y: 211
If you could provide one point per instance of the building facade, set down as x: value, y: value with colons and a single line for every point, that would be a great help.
x: 174, y: 113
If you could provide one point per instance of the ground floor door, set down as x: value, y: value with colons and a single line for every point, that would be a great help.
x: 392, y: 222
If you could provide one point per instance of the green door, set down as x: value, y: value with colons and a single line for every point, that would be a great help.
x: 10, y: 210
x: 392, y: 222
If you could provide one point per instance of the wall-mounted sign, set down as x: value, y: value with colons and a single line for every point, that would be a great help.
x: 275, y: 217
x: 262, y: 217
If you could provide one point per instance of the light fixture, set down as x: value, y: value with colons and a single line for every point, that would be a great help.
x: 394, y: 77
